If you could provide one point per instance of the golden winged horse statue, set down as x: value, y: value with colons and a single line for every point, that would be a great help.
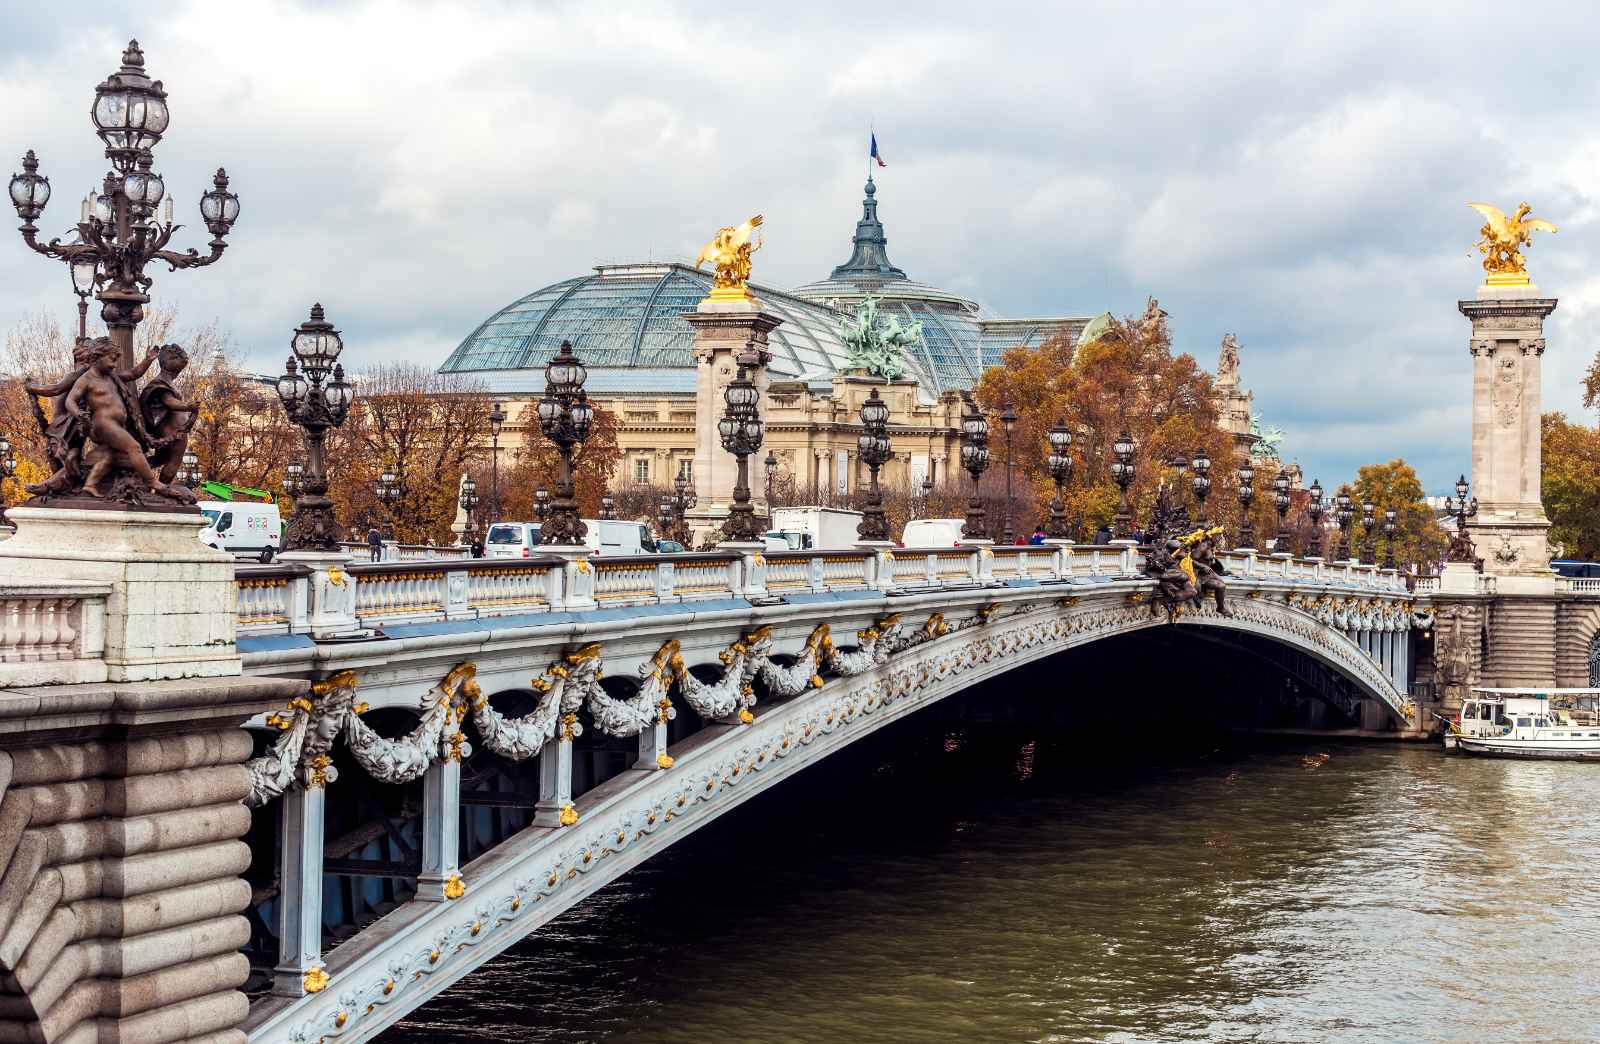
x: 1503, y: 240
x: 729, y: 253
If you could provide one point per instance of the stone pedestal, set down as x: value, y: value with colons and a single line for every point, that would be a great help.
x: 330, y: 607
x: 1507, y: 348
x: 724, y: 333
x: 169, y: 612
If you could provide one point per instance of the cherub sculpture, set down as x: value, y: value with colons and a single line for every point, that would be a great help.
x: 729, y: 253
x: 168, y: 416
x: 96, y: 438
x: 1503, y: 240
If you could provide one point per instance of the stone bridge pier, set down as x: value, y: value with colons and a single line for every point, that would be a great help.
x: 121, y: 782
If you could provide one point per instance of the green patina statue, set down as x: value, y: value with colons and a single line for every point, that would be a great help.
x: 876, y: 343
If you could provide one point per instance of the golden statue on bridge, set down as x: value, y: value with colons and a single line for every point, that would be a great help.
x: 729, y: 253
x: 1503, y: 240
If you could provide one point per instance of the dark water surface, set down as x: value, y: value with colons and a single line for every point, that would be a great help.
x: 1002, y: 892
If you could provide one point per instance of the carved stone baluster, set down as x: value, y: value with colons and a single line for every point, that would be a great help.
x: 67, y: 620
x: 30, y: 630
x: 49, y: 631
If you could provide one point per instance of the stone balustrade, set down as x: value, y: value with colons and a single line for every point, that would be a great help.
x: 274, y: 599
x: 52, y: 631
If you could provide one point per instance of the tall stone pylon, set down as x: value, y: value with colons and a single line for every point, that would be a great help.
x: 1507, y: 345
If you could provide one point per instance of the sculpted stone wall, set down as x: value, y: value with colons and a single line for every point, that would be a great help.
x: 121, y: 861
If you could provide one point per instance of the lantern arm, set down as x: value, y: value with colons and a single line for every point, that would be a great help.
x: 64, y: 251
x: 190, y: 258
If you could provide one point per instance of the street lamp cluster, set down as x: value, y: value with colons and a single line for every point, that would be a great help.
x: 742, y: 429
x: 975, y: 459
x: 315, y: 397
x: 873, y: 444
x: 118, y: 231
x: 565, y: 417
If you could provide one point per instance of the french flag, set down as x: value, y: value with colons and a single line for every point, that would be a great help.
x: 874, y: 153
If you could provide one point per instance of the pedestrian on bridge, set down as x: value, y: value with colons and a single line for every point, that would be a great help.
x: 375, y: 543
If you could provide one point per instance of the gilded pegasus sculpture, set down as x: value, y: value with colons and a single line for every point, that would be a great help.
x: 729, y: 253
x: 1503, y: 240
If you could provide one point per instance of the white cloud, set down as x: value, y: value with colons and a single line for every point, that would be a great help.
x: 1293, y: 175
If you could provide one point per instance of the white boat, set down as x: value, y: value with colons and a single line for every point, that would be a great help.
x: 1528, y: 723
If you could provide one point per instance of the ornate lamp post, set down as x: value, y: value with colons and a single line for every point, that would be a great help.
x: 189, y: 470
x: 389, y: 494
x: 565, y: 417
x: 1122, y: 473
x: 975, y: 459
x: 683, y: 498
x: 1343, y: 514
x: 1008, y: 418
x: 1388, y: 536
x: 1280, y: 501
x: 1247, y: 495
x: 1316, y: 508
x: 1369, y: 534
x: 1060, y: 462
x: 1461, y: 547
x: 316, y: 404
x: 8, y: 469
x: 664, y: 518
x: 497, y: 420
x: 294, y: 478
x: 85, y: 274
x: 873, y: 445
x: 741, y: 429
x: 1202, y: 485
x: 469, y: 504
x: 120, y: 230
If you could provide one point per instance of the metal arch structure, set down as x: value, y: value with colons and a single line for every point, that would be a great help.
x: 962, y: 638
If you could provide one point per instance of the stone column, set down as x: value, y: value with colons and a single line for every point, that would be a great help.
x: 724, y: 332
x: 1507, y: 353
x: 441, y: 831
x: 300, y: 834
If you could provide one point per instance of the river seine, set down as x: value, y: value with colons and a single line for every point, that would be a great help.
x: 963, y: 884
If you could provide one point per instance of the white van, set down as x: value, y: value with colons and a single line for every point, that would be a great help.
x: 616, y: 537
x: 511, y: 540
x: 244, y: 529
x: 932, y: 532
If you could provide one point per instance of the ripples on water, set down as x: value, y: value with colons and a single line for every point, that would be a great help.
x: 901, y: 893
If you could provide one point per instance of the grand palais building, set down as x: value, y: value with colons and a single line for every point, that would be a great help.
x: 625, y: 323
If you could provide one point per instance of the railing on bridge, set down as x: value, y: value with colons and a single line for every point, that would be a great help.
x: 393, y: 552
x: 275, y: 599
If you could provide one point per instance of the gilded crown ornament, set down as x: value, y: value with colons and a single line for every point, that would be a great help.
x: 1503, y: 240
x: 729, y: 253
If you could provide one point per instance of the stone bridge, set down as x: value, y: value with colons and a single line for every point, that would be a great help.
x: 485, y: 743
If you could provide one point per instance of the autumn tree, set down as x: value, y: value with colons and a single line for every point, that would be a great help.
x: 426, y: 427
x: 1126, y: 379
x: 1419, y: 539
x: 1570, y: 485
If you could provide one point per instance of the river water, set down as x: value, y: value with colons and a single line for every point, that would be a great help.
x: 984, y: 884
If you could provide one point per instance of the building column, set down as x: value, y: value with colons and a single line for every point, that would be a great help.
x: 441, y: 831
x: 555, y: 783
x: 300, y: 825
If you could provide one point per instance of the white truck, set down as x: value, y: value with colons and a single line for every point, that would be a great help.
x: 813, y: 528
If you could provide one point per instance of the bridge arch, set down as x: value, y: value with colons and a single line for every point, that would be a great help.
x: 828, y: 696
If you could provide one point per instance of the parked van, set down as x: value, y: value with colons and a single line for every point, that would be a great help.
x: 932, y: 532
x: 616, y: 537
x: 511, y: 540
x: 245, y: 529
x: 822, y: 528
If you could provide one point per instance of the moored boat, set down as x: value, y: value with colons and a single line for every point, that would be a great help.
x: 1527, y: 723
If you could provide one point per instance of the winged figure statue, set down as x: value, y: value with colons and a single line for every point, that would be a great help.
x: 1503, y: 240
x: 729, y: 253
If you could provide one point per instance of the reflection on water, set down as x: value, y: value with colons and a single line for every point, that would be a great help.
x: 999, y: 891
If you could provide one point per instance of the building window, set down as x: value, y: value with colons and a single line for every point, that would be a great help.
x: 641, y: 469
x: 686, y: 468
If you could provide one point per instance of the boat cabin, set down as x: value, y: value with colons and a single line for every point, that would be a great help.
x: 1530, y: 714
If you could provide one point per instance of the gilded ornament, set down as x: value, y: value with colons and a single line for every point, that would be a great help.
x: 729, y: 253
x: 336, y: 577
x: 454, y: 887
x: 1503, y: 240
x: 315, y: 980
x: 664, y: 761
x: 569, y: 815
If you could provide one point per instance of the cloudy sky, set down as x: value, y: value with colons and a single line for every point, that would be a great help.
x: 1298, y: 179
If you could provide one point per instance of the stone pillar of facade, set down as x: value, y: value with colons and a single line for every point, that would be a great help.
x: 122, y: 774
x: 1507, y: 348
x: 725, y: 332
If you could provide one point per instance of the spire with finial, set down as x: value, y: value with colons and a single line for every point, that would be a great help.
x: 869, y: 256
